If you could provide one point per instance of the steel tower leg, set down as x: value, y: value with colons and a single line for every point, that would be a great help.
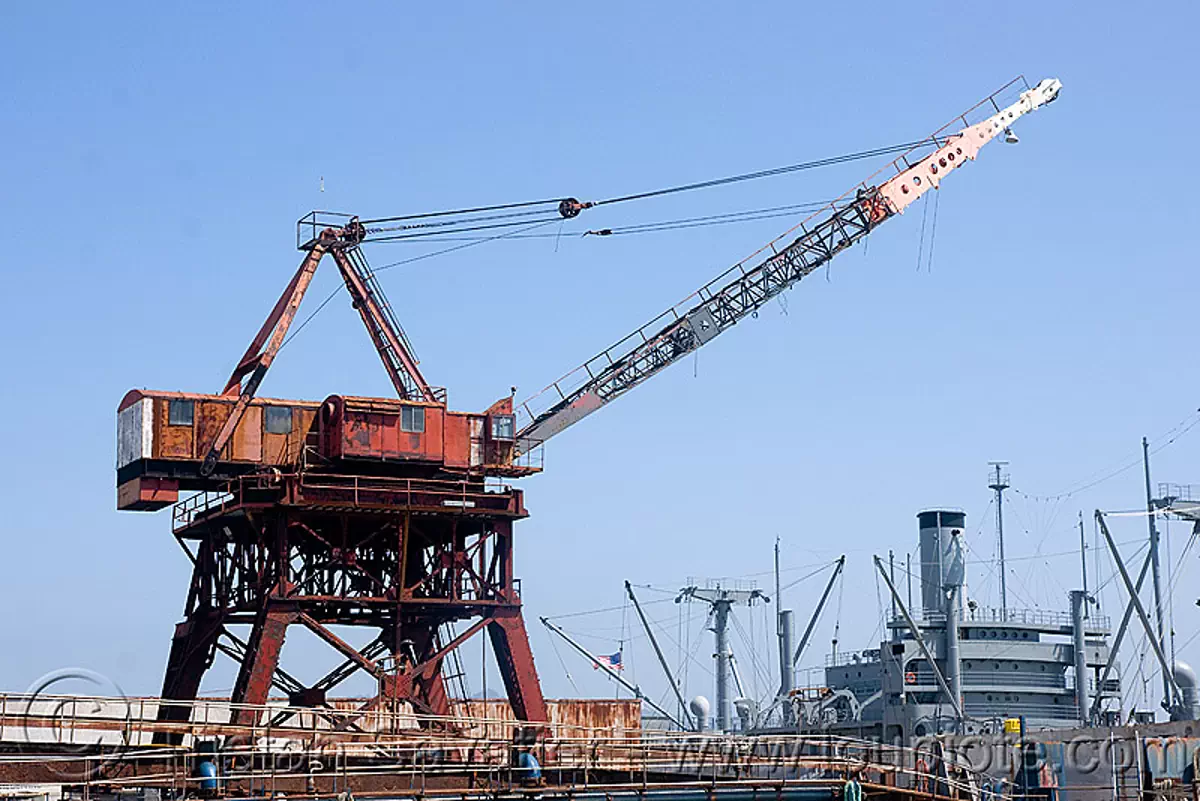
x: 422, y: 683
x: 253, y: 685
x: 192, y: 650
x: 510, y: 642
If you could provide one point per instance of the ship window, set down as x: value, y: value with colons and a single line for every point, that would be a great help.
x: 412, y: 419
x: 279, y: 419
x: 180, y: 412
x: 503, y: 426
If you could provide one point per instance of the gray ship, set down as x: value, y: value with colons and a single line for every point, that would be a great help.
x: 1002, y: 663
x: 1042, y: 666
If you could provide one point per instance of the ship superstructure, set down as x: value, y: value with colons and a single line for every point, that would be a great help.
x: 1001, y: 662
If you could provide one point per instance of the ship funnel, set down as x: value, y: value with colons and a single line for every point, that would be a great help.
x: 942, y: 563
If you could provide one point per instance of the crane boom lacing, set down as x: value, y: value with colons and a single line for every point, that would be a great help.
x: 739, y: 291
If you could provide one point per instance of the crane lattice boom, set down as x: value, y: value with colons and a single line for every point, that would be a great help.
x: 742, y: 289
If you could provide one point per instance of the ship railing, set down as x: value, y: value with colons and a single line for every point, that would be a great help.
x: 869, y: 656
x: 1111, y: 687
x: 1029, y: 617
x: 1005, y: 709
x: 1001, y: 678
x: 1176, y: 493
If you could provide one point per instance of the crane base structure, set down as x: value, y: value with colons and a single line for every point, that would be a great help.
x: 320, y: 550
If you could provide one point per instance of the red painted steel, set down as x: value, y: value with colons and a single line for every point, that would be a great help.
x: 366, y: 512
x: 406, y: 557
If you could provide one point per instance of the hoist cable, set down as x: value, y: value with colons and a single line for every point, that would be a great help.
x: 712, y: 219
x: 567, y: 208
x: 746, y: 215
x: 463, y: 229
x: 751, y: 176
x: 523, y: 227
x: 476, y: 210
x: 430, y: 226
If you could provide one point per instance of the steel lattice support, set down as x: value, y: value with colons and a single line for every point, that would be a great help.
x: 316, y: 552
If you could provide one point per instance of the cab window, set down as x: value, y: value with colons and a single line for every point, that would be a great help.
x: 412, y: 419
x: 279, y: 419
x: 503, y: 426
x: 180, y: 412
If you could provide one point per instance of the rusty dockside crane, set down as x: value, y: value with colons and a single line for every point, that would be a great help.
x: 387, y: 513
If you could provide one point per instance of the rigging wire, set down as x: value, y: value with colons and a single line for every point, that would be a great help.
x: 837, y: 626
x: 295, y: 331
x: 921, y: 238
x: 757, y: 670
x: 557, y: 653
x: 1171, y: 435
x: 937, y: 198
x: 401, y: 237
x: 751, y: 176
x: 567, y: 208
x: 807, y: 576
x: 749, y: 215
x: 447, y: 213
x: 415, y: 226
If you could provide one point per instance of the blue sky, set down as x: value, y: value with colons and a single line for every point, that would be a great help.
x: 156, y: 160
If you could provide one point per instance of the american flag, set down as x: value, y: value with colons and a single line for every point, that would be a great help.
x: 609, y: 660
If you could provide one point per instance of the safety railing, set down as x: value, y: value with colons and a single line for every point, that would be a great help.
x: 287, y: 748
x: 1010, y: 617
x: 870, y: 656
x: 185, y: 512
x: 1188, y: 493
x: 375, y: 491
x: 332, y: 488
